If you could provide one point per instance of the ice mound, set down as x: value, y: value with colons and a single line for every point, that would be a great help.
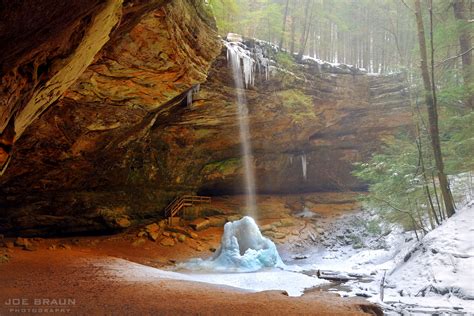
x: 243, y: 249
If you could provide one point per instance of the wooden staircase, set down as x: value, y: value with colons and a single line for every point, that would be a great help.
x: 182, y: 202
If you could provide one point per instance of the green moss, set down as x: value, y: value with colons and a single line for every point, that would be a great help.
x: 223, y: 167
x: 285, y: 61
x: 297, y: 105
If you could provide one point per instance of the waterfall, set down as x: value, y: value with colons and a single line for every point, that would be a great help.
x: 238, y: 56
x: 303, y: 165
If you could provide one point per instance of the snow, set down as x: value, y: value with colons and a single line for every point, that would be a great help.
x: 271, y: 279
x: 442, y: 263
x: 333, y: 67
x: 433, y: 275
x: 251, y: 262
x: 243, y: 249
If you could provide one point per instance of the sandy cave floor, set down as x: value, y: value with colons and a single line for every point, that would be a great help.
x: 82, y: 273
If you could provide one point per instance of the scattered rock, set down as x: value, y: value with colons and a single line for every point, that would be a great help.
x: 233, y: 218
x: 4, y: 258
x: 154, y: 235
x: 275, y: 235
x: 285, y: 222
x: 200, y: 224
x: 193, y: 235
x: 167, y: 242
x: 212, y: 249
x: 138, y: 242
x: 181, y: 238
x: 64, y: 246
x: 52, y: 247
x: 175, y: 221
x: 152, y: 228
x: 198, y: 248
x: 141, y: 233
x: 174, y: 235
x: 123, y: 222
x: 266, y: 227
x: 9, y: 244
x: 320, y: 231
x: 21, y: 242
x: 300, y: 257
x: 166, y: 234
x: 217, y: 221
x: 30, y: 247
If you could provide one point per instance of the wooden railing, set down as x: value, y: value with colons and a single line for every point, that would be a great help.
x: 184, y: 201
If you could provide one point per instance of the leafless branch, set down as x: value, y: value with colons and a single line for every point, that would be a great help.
x: 454, y: 57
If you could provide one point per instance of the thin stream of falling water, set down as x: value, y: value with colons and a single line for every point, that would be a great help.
x: 303, y: 165
x: 234, y: 57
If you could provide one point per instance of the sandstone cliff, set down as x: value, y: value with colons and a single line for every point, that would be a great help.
x: 132, y: 131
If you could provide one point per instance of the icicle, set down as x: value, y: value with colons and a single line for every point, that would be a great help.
x: 189, y: 97
x: 303, y: 165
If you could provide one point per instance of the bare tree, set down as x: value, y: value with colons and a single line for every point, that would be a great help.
x: 430, y: 98
x: 459, y: 9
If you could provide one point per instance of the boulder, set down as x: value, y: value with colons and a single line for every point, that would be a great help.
x: 167, y: 242
x: 152, y: 228
x: 266, y: 227
x: 138, y: 242
x: 181, y: 238
x: 216, y: 221
x: 123, y: 222
x: 22, y: 242
x: 233, y: 218
x: 175, y: 221
x: 154, y: 235
x: 200, y: 224
x: 4, y: 258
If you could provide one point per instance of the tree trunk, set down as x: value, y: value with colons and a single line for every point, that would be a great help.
x: 459, y: 9
x: 432, y: 113
x: 284, y: 24
x: 306, y: 29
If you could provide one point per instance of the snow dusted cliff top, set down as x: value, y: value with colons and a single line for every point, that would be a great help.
x: 262, y: 53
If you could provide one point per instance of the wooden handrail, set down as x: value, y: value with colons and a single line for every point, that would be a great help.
x: 186, y: 200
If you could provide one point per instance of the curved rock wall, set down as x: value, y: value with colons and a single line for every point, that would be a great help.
x: 131, y: 133
x: 98, y: 134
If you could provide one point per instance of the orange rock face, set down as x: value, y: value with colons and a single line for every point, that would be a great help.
x: 125, y: 138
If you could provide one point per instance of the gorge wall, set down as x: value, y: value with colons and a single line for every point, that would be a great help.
x: 129, y: 131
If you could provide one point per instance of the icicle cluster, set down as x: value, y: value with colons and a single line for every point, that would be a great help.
x: 191, y: 92
x: 249, y: 61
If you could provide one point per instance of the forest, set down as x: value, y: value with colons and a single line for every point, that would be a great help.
x: 383, y: 37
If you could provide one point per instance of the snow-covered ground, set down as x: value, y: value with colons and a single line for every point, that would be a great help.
x: 434, y: 275
x: 438, y: 270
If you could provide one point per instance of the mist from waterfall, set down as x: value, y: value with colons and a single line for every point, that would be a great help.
x: 243, y: 77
